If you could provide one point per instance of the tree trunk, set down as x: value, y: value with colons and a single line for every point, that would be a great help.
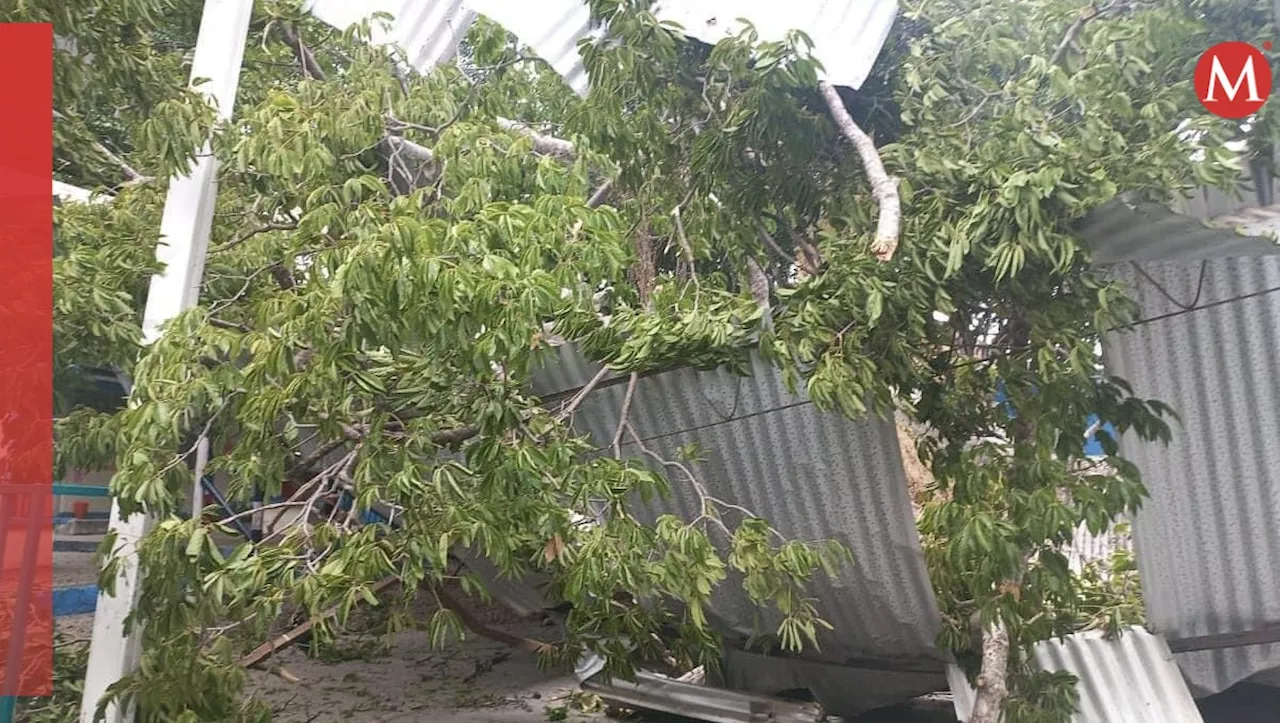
x: 992, y: 686
x: 993, y: 679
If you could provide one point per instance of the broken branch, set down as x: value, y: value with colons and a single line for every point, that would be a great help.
x: 542, y: 143
x: 306, y: 59
x: 1072, y: 33
x: 473, y: 624
x: 132, y: 174
x: 883, y: 186
x: 269, y: 648
x: 602, y: 193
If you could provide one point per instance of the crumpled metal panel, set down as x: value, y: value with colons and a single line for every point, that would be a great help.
x: 428, y: 31
x: 847, y: 36
x: 699, y: 702
x: 815, y: 476
x: 552, y: 29
x: 1121, y: 231
x: 843, y: 690
x: 1086, y: 547
x: 67, y: 192
x: 1132, y: 679
x: 1208, y: 537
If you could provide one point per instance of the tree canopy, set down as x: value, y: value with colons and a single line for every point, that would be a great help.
x: 393, y: 253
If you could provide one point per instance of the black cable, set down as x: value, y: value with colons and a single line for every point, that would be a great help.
x: 1204, y: 265
x: 1183, y: 310
x: 1224, y: 302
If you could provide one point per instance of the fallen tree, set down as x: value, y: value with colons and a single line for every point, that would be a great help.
x: 393, y: 254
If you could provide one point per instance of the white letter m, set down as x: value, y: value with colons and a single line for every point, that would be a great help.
x: 1218, y: 74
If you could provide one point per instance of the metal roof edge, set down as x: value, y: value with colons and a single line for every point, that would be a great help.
x: 1125, y: 229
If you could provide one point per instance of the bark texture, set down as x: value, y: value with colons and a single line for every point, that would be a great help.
x: 883, y: 186
x: 992, y: 686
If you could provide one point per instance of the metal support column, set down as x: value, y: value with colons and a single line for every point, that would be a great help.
x: 184, y: 232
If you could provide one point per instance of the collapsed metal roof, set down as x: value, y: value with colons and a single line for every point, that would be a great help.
x: 1123, y: 231
x: 815, y: 476
x: 847, y: 36
x: 1207, y: 536
x: 1215, y: 503
x: 1131, y: 679
x: 1207, y: 281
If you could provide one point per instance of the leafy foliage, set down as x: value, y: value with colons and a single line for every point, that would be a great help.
x: 70, y: 658
x: 392, y: 257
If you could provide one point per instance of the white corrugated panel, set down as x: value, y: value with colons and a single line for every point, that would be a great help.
x: 1208, y: 538
x: 815, y: 476
x: 428, y: 31
x: 68, y: 192
x: 847, y: 36
x: 1132, y: 679
x: 1087, y: 547
x: 553, y: 29
x: 1122, y: 231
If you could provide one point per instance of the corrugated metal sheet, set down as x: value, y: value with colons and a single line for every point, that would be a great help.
x: 847, y: 36
x: 428, y: 31
x: 552, y: 29
x: 67, y: 192
x: 815, y: 476
x: 1208, y: 538
x: 1087, y: 547
x: 702, y: 703
x: 1122, y: 231
x: 1132, y: 679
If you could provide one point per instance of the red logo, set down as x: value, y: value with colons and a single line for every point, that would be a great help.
x: 1233, y: 80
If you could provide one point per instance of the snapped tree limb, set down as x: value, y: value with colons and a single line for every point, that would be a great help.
x: 132, y: 175
x: 306, y: 59
x: 543, y: 144
x: 883, y: 186
x: 269, y: 648
x: 1072, y: 33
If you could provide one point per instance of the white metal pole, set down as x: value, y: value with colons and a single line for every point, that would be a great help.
x: 184, y: 234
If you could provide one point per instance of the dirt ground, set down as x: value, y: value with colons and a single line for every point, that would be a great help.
x: 476, y: 681
x: 74, y: 568
x: 366, y: 678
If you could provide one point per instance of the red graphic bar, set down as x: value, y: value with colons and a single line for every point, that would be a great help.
x: 26, y: 360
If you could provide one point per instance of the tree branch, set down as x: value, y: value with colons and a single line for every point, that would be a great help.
x: 246, y: 235
x: 473, y: 624
x: 1072, y: 33
x: 269, y: 648
x: 758, y: 282
x: 412, y: 150
x: 602, y: 193
x: 310, y: 68
x: 542, y: 143
x: 132, y: 174
x: 581, y: 396
x: 624, y: 414
x: 883, y: 186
